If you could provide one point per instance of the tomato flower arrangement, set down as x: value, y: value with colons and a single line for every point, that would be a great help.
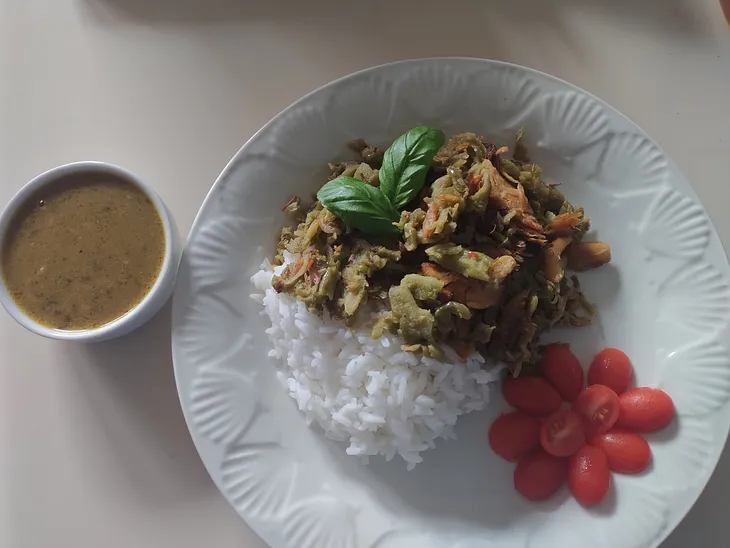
x: 582, y: 444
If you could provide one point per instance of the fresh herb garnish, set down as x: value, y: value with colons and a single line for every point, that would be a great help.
x: 374, y: 210
x: 406, y: 163
x: 359, y: 205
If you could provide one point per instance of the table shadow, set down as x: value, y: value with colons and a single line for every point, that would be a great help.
x: 677, y: 16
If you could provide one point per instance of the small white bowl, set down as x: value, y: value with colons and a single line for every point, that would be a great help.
x: 140, y: 313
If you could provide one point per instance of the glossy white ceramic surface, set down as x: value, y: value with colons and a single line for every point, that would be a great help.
x: 664, y: 299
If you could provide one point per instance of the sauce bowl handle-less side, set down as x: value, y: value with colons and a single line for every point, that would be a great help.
x: 138, y: 314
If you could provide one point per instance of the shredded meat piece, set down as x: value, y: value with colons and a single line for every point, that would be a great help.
x: 588, y: 255
x: 565, y: 224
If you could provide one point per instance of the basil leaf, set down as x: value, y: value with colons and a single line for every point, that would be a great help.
x: 359, y: 205
x: 406, y: 163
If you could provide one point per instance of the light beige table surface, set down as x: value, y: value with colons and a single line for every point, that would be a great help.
x: 93, y: 448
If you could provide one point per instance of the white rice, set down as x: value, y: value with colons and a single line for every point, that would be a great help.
x: 380, y: 399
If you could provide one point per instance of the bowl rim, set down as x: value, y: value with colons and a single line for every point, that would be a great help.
x: 126, y: 321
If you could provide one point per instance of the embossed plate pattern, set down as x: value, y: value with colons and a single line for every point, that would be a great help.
x: 664, y: 299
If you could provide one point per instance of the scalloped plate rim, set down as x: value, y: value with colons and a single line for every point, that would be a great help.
x: 180, y: 298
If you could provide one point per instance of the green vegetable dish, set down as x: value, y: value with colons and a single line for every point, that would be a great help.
x: 448, y: 243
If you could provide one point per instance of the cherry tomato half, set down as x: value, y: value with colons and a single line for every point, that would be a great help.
x: 563, y: 433
x: 588, y: 475
x: 645, y: 409
x: 562, y: 370
x: 531, y: 394
x: 538, y: 475
x: 611, y: 368
x: 599, y: 407
x: 626, y: 452
x: 513, y: 435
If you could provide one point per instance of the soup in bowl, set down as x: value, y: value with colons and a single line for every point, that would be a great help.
x: 88, y: 253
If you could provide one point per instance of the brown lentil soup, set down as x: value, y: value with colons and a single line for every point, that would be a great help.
x: 83, y: 251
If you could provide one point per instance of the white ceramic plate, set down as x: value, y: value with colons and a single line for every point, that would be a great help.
x: 664, y: 300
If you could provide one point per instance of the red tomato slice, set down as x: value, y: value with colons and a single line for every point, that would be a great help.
x: 611, y: 368
x: 588, y: 475
x: 626, y: 452
x: 532, y: 395
x: 562, y: 370
x: 538, y: 475
x: 562, y: 433
x: 513, y: 435
x: 645, y: 409
x: 599, y: 408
